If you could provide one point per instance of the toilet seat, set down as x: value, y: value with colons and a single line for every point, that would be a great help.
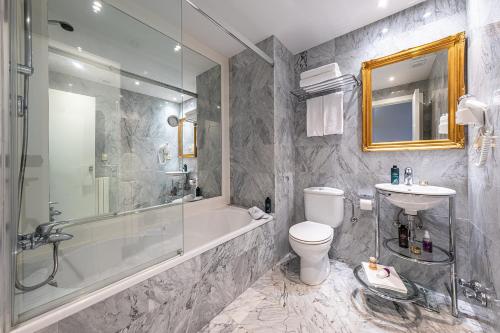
x: 312, y: 233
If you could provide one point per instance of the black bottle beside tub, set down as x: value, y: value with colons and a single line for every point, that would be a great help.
x: 403, y: 236
x: 267, y: 205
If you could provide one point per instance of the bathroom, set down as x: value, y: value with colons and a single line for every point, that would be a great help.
x: 214, y: 166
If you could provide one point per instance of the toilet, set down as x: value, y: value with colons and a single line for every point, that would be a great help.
x: 311, y: 239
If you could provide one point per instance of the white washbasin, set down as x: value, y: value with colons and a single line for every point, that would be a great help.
x: 413, y: 198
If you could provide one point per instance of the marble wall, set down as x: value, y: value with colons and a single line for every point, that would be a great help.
x: 185, y: 297
x: 209, y: 139
x: 261, y: 134
x: 130, y: 128
x: 484, y: 183
x: 337, y: 160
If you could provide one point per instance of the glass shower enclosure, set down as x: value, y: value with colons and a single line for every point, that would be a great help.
x: 93, y: 153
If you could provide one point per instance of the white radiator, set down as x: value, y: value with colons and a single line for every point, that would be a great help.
x: 102, y: 195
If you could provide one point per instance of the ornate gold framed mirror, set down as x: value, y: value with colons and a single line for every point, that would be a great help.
x: 410, y: 97
x: 186, y: 134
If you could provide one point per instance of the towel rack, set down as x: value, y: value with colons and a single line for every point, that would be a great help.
x: 346, y: 82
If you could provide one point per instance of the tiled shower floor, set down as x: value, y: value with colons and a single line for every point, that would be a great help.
x: 278, y: 302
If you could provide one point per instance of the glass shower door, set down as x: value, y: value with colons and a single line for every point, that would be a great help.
x: 97, y: 203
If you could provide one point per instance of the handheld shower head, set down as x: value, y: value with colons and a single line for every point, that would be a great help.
x: 64, y: 25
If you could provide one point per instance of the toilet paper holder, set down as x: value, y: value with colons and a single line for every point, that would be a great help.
x: 354, y: 218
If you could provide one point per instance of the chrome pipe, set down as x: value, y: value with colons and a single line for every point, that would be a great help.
x: 233, y: 34
x: 377, y: 222
x: 453, y: 267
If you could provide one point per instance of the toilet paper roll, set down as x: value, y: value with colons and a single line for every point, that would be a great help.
x: 365, y: 204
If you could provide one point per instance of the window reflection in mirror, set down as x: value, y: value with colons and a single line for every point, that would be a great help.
x: 410, y: 99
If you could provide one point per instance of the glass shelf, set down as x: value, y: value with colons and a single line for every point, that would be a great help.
x: 439, y: 256
x: 411, y: 295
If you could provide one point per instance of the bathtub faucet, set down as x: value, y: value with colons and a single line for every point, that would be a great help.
x: 42, y: 235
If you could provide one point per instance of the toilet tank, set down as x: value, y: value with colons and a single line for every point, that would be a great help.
x: 324, y: 205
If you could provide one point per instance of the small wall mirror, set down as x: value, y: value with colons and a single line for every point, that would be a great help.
x: 410, y: 98
x: 187, y: 138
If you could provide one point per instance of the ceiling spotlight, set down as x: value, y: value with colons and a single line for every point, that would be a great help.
x: 177, y: 48
x: 385, y: 30
x: 427, y: 14
x: 79, y: 48
x: 137, y: 83
x: 96, y: 6
x: 70, y: 85
x: 175, y: 98
x: 392, y: 78
x: 77, y: 64
x: 382, y: 3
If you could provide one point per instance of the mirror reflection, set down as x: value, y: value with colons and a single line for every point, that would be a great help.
x: 123, y: 133
x: 410, y: 99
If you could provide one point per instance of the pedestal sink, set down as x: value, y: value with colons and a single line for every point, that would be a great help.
x: 413, y: 198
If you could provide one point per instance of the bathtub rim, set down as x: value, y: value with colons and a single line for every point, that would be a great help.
x: 82, y: 302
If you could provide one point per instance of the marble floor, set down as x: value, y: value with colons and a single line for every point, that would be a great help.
x: 278, y: 302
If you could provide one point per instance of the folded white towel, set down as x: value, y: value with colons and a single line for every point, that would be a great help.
x: 333, y: 67
x: 315, y: 120
x: 393, y: 282
x: 333, y: 113
x: 311, y: 81
x: 256, y: 213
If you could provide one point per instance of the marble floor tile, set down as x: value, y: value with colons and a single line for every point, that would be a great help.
x: 278, y: 302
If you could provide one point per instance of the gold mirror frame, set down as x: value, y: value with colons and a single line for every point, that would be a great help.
x: 180, y: 142
x: 456, y: 87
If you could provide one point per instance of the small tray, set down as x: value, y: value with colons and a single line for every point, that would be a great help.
x: 439, y: 256
x: 411, y: 295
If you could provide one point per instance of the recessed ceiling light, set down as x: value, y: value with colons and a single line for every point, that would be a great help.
x: 77, y: 64
x: 137, y: 83
x: 175, y: 98
x: 70, y: 85
x: 385, y: 30
x: 427, y: 14
x: 79, y: 48
x: 382, y: 3
x: 177, y: 48
x: 392, y: 78
x: 96, y: 6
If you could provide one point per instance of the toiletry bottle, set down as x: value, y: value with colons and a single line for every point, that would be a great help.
x: 267, y: 205
x: 403, y: 236
x: 427, y: 242
x: 395, y: 175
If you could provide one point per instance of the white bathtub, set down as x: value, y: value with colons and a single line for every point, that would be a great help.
x: 86, y: 267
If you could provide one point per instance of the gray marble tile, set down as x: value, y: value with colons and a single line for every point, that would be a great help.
x: 209, y: 136
x: 278, y: 302
x: 185, y: 297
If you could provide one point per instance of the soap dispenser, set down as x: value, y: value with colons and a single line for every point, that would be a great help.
x: 395, y: 175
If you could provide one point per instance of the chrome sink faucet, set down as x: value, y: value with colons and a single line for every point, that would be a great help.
x: 408, y: 176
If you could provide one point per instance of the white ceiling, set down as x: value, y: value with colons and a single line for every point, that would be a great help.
x: 125, y: 43
x: 299, y: 24
x: 408, y: 71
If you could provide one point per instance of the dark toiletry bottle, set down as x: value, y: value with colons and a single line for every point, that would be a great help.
x: 427, y: 242
x: 403, y: 236
x: 395, y: 175
x: 198, y: 192
x: 267, y: 205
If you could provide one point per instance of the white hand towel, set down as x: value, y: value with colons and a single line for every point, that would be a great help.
x: 333, y: 113
x: 315, y: 120
x: 333, y: 67
x: 256, y: 213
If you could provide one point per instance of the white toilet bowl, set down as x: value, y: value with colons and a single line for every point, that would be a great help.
x: 311, y: 241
